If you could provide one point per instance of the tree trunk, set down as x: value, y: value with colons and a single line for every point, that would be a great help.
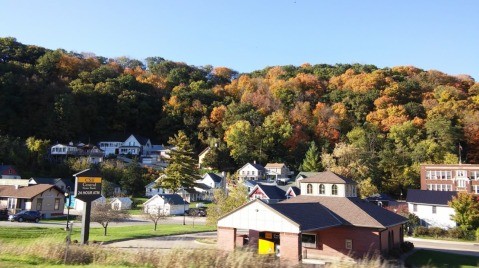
x: 104, y: 227
x: 155, y: 226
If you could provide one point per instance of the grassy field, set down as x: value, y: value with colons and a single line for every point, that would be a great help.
x: 26, y: 235
x: 430, y: 258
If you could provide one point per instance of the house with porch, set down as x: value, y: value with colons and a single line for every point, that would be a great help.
x: 277, y: 172
x: 59, y: 153
x: 150, y: 189
x: 136, y: 145
x: 251, y: 171
x: 327, y: 219
x: 46, y: 198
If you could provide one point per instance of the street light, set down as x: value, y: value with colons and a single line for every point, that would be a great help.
x: 68, y: 194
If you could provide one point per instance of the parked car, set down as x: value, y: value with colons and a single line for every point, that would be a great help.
x: 202, y: 211
x: 26, y: 215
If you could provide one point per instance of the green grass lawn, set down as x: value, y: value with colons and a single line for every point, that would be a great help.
x: 28, y: 234
x: 438, y: 259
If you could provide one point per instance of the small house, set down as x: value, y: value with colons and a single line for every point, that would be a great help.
x: 121, y: 203
x: 8, y: 172
x: 251, y: 171
x: 431, y: 207
x: 168, y: 204
x: 46, y: 198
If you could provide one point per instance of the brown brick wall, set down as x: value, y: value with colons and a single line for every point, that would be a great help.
x: 332, y: 242
x: 226, y: 238
x: 290, y: 247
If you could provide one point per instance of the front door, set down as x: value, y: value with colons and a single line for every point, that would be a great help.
x: 39, y: 204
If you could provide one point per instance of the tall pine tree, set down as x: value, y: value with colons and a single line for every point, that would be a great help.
x: 312, y: 162
x: 181, y: 170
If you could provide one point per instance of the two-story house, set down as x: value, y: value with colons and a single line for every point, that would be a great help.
x: 327, y: 219
x: 110, y: 147
x: 457, y: 177
x: 251, y: 171
x: 59, y: 153
x: 136, y: 145
x: 277, y: 172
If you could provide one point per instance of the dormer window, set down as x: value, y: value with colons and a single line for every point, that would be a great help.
x: 334, y: 189
x: 310, y: 189
x: 321, y: 189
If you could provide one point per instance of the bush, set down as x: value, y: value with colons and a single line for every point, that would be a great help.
x: 477, y: 234
x: 407, y: 246
x: 437, y: 232
x: 456, y: 232
x: 420, y: 231
x: 395, y: 253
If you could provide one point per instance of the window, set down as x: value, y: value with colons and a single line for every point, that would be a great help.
x: 474, y: 175
x: 57, y: 204
x: 9, y: 171
x: 349, y: 244
x: 321, y: 189
x: 461, y: 183
x: 461, y: 173
x: 258, y: 196
x: 414, y: 208
x: 428, y: 187
x: 334, y: 189
x: 39, y: 204
x: 12, y: 203
x: 354, y: 190
x: 310, y: 189
x: 252, y: 172
x: 308, y: 240
x: 475, y: 189
x: 433, y: 209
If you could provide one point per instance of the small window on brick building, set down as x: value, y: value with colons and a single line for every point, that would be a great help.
x: 349, y: 244
x: 308, y: 240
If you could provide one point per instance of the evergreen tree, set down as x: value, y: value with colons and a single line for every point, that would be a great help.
x: 181, y: 170
x: 132, y: 180
x: 311, y: 162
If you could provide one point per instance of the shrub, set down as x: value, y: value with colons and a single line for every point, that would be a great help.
x: 456, y: 232
x: 437, y: 232
x: 395, y: 253
x: 420, y: 231
x: 477, y: 234
x: 75, y: 241
x: 407, y: 246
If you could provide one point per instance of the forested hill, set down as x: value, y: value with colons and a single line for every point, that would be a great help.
x: 366, y: 122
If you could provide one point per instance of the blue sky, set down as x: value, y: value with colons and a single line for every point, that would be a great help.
x: 250, y: 35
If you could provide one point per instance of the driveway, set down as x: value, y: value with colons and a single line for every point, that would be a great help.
x: 187, y: 241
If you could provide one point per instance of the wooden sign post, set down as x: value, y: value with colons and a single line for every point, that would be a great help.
x: 87, y: 189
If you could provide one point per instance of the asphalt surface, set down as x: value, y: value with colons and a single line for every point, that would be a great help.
x: 463, y: 248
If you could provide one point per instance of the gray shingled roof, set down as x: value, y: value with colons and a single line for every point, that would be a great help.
x: 174, y: 199
x: 273, y: 191
x: 308, y: 216
x: 380, y: 197
x: 142, y: 140
x: 351, y: 211
x: 429, y: 197
x: 327, y: 177
x: 214, y: 176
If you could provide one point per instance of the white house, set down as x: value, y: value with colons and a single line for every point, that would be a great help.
x: 151, y: 191
x: 110, y: 147
x: 277, y: 172
x: 136, y: 145
x: 60, y: 152
x: 302, y: 175
x: 121, y: 203
x: 213, y: 180
x: 169, y: 204
x: 202, y: 155
x: 79, y: 205
x: 251, y: 171
x: 431, y: 207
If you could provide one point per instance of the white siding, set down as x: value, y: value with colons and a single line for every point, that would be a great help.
x: 258, y: 216
x: 440, y: 219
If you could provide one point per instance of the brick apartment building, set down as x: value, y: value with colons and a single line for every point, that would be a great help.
x: 457, y: 177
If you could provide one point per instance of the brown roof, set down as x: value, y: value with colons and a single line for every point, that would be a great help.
x: 351, y: 211
x: 25, y: 192
x: 327, y: 177
x: 274, y: 165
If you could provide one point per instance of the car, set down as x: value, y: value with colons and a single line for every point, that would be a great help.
x: 26, y: 215
x: 202, y: 211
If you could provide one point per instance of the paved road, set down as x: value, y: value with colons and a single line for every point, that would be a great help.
x: 463, y: 248
x: 136, y: 220
x: 187, y: 241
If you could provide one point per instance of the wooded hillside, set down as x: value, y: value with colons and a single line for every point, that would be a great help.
x: 366, y: 122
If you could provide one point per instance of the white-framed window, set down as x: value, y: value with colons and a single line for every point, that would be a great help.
x: 475, y: 189
x: 434, y: 209
x: 258, y: 196
x: 349, y: 244
x: 414, y: 207
x: 461, y: 173
x: 309, y: 240
x: 354, y: 190
x: 461, y: 183
x: 334, y: 189
x: 428, y: 187
x: 12, y: 203
x: 474, y: 175
x: 322, y: 189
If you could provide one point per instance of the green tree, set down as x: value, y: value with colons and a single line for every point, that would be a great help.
x: 241, y: 141
x: 181, y: 170
x: 224, y: 203
x: 37, y: 149
x: 312, y: 161
x: 367, y: 188
x: 466, y: 207
x: 132, y: 180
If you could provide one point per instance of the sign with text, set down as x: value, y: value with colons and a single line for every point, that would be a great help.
x: 88, y: 188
